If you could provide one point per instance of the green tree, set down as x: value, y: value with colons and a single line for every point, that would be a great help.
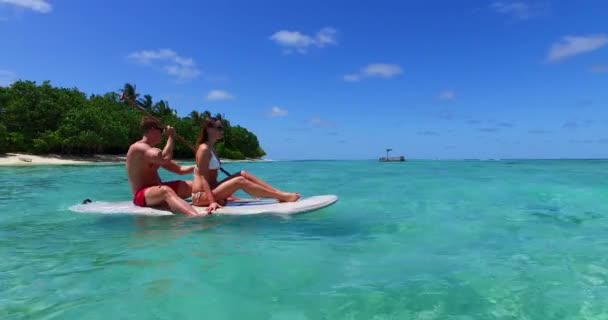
x: 46, y: 119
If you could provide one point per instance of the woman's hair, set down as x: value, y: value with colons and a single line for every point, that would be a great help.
x: 203, y: 136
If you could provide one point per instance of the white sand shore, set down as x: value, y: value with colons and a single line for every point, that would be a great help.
x: 20, y: 159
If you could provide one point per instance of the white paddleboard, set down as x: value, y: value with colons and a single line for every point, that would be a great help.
x: 241, y: 207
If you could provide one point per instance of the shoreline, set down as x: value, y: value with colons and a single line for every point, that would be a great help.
x: 24, y: 159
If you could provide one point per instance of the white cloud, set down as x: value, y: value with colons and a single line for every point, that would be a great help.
x: 219, y: 95
x: 427, y: 133
x: 518, y: 10
x: 7, y: 77
x: 299, y: 42
x: 599, y: 68
x: 321, y: 123
x: 181, y: 68
x: 382, y: 70
x: 447, y: 95
x: 41, y: 6
x: 352, y: 77
x: 378, y: 70
x: 574, y: 45
x: 521, y: 10
x: 278, y: 112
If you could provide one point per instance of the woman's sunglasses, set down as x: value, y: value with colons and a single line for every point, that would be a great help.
x: 219, y: 128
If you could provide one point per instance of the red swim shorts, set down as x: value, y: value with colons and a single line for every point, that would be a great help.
x: 139, y: 199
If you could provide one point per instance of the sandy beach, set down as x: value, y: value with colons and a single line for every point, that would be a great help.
x: 22, y: 159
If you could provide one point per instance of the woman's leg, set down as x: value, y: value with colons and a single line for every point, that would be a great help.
x: 227, y: 188
x: 251, y: 178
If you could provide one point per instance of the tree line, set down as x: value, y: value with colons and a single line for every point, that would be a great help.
x: 44, y: 119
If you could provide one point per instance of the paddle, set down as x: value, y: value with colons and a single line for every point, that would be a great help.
x: 138, y: 105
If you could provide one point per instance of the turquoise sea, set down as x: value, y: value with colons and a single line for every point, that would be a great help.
x: 412, y: 240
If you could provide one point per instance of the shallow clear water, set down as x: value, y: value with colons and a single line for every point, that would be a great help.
x: 413, y: 240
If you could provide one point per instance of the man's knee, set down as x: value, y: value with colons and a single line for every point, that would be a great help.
x: 166, y: 191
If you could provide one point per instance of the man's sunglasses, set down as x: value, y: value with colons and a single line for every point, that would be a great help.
x: 162, y: 130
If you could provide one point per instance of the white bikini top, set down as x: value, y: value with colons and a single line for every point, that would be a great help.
x: 214, y: 163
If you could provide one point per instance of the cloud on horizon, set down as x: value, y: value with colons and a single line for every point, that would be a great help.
x: 538, y: 131
x: 427, y: 133
x: 571, y: 125
x: 7, y: 77
x: 295, y: 41
x: 585, y: 141
x: 570, y: 46
x: 374, y: 70
x: 181, y: 68
x: 320, y: 123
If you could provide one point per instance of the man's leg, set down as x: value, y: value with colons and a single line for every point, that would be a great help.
x: 159, y: 195
x: 183, y: 188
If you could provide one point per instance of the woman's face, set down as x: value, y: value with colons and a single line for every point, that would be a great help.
x: 215, y: 130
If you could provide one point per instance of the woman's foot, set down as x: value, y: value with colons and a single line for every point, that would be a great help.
x: 290, y: 197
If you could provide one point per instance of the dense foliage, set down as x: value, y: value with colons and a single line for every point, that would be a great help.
x: 45, y: 119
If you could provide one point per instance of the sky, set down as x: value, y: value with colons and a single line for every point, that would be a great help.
x: 341, y: 79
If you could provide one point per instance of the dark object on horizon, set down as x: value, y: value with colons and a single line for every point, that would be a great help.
x: 391, y: 159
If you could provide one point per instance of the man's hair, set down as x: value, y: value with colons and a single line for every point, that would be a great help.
x: 148, y: 122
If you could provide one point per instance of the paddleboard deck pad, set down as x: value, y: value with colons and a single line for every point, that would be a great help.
x: 240, y: 207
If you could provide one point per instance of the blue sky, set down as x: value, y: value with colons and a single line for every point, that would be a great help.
x: 341, y: 79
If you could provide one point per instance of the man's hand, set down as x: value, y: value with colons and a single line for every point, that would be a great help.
x: 170, y: 131
x: 187, y: 169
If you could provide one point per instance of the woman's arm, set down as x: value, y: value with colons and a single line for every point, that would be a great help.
x: 203, y: 156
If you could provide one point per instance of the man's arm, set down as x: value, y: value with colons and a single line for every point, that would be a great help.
x: 156, y: 156
x: 168, y: 150
x: 174, y: 167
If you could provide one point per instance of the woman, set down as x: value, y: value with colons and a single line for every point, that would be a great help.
x: 206, y: 191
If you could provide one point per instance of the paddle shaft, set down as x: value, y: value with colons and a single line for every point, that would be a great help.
x: 135, y: 104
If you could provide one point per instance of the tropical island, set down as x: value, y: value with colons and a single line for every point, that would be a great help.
x: 47, y: 120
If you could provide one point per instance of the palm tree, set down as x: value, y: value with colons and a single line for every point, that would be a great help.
x: 162, y: 108
x: 129, y: 91
x: 148, y: 103
x: 195, y: 117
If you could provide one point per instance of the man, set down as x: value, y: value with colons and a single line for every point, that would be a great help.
x: 143, y: 162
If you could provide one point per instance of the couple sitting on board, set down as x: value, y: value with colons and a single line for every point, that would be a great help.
x: 144, y: 160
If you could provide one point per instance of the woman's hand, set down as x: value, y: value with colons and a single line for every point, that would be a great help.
x: 212, y: 207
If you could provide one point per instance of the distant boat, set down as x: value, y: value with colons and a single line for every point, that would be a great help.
x: 391, y: 159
